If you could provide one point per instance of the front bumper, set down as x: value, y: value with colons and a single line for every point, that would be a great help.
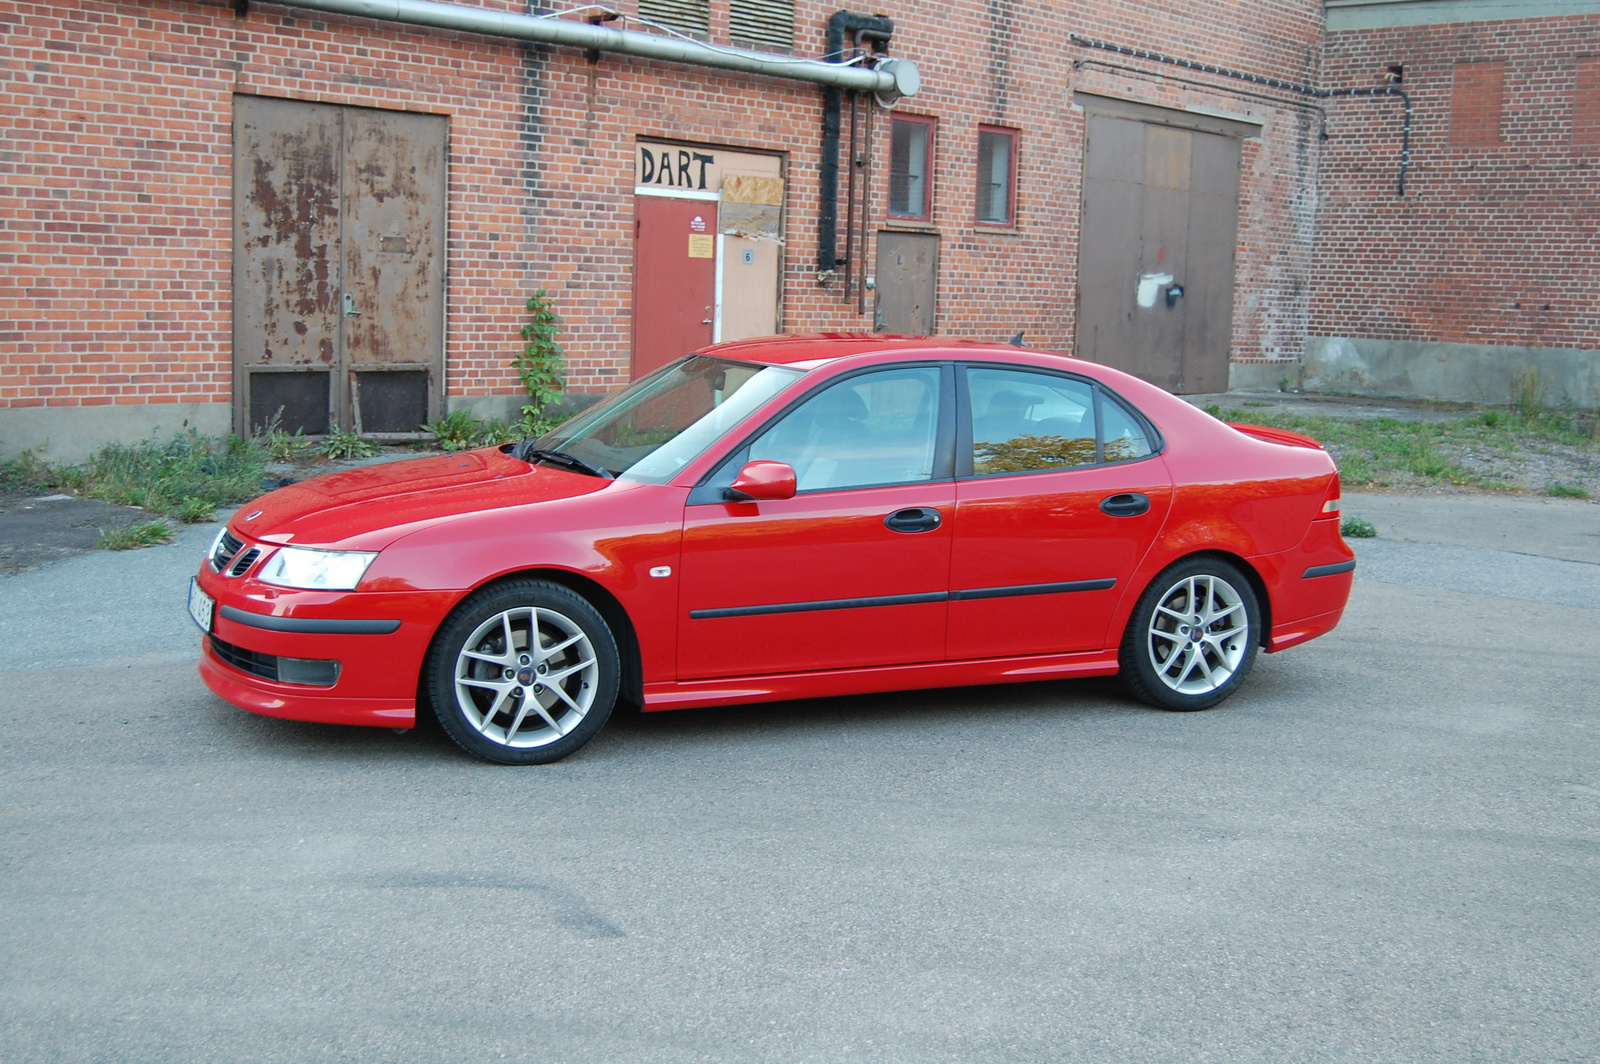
x: 379, y: 639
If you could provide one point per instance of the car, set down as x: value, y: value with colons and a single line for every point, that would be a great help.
x: 790, y: 517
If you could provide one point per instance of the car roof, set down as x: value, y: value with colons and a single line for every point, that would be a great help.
x: 819, y: 348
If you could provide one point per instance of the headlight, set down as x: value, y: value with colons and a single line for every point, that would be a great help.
x: 316, y: 570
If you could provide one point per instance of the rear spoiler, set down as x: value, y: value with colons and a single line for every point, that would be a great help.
x: 1283, y: 436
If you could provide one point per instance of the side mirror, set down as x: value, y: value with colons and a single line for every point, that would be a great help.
x: 762, y: 479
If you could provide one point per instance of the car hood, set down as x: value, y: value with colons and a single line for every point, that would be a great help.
x: 371, y: 507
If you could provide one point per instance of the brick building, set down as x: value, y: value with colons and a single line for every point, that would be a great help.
x: 215, y: 211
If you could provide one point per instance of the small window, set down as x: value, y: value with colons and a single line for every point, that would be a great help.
x: 879, y: 428
x: 769, y: 23
x: 997, y: 177
x: 1023, y: 422
x: 1027, y: 422
x: 686, y: 16
x: 911, y: 168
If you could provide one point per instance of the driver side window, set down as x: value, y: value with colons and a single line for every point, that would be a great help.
x: 878, y: 428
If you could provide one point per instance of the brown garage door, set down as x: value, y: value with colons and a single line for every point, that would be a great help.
x: 1156, y: 250
x: 338, y: 267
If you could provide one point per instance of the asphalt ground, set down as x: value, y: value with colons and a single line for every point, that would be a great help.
x: 1385, y: 847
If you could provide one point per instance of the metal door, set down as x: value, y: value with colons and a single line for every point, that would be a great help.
x: 907, y: 280
x: 339, y: 222
x: 1156, y: 252
x: 674, y: 278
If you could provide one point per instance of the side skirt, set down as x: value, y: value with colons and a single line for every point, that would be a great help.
x: 691, y: 694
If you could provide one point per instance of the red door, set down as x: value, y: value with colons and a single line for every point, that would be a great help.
x: 674, y: 278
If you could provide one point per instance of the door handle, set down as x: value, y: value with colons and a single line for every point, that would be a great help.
x: 913, y: 519
x: 1127, y: 504
x: 350, y: 310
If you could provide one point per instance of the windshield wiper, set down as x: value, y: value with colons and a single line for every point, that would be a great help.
x: 562, y: 458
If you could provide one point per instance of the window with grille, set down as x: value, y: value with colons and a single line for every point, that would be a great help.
x: 764, y: 22
x: 911, y: 168
x: 685, y: 16
x: 997, y: 177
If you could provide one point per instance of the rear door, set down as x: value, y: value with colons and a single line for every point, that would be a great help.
x: 1058, y: 498
x: 849, y: 573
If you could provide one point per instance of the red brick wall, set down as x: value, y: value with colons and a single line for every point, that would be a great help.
x: 115, y: 160
x: 1495, y: 241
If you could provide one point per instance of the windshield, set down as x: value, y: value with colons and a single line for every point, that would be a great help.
x: 662, y: 422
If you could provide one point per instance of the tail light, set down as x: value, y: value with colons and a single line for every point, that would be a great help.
x: 1330, y: 501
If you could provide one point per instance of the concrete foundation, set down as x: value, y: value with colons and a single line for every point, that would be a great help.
x: 1462, y: 373
x: 1281, y: 376
x: 73, y: 433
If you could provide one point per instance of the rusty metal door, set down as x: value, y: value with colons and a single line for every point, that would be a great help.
x: 674, y: 278
x: 907, y: 281
x: 338, y: 268
x: 1156, y: 252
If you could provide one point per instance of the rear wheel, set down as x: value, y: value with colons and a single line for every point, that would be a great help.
x: 524, y: 673
x: 1192, y: 637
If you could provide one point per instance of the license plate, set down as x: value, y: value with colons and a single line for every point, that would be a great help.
x: 200, y: 605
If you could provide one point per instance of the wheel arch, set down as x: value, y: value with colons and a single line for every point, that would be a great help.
x: 631, y: 689
x: 1239, y: 562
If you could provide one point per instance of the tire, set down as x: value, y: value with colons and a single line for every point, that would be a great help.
x: 1192, y: 638
x: 507, y: 697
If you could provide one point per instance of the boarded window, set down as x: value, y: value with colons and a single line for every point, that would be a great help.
x: 911, y: 167
x: 997, y: 177
x: 1586, y: 106
x: 1477, y: 99
x: 685, y: 16
x: 764, y: 22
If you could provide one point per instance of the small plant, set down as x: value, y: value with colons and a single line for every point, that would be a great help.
x: 541, y: 365
x: 1491, y: 418
x: 189, y: 473
x: 284, y: 446
x: 26, y: 474
x: 1567, y: 491
x: 1528, y: 391
x: 339, y: 444
x: 193, y: 511
x: 1357, y: 528
x: 132, y: 537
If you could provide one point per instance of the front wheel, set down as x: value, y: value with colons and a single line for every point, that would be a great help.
x: 1192, y: 637
x: 524, y: 673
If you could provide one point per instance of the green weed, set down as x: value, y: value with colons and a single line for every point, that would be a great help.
x: 187, y: 477
x: 132, y: 537
x: 1357, y: 528
x: 1567, y: 491
x: 339, y: 444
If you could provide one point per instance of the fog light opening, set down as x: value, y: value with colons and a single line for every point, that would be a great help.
x: 313, y: 672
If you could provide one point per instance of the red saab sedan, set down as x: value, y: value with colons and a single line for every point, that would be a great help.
x: 783, y: 518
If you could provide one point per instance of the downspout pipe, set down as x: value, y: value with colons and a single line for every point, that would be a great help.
x: 878, y: 30
x: 892, y: 77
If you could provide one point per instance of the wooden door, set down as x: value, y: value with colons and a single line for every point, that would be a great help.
x: 907, y: 281
x: 338, y: 267
x: 1156, y: 251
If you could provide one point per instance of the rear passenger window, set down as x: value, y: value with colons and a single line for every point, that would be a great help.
x: 1025, y: 422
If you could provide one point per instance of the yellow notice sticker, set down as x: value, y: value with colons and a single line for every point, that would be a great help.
x: 701, y: 247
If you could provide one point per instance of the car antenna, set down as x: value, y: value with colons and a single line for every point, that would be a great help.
x: 1016, y: 341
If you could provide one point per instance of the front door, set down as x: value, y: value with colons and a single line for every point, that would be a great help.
x: 849, y: 573
x: 674, y: 277
x: 338, y: 271
x: 1156, y: 251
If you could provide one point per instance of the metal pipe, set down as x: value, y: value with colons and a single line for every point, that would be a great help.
x: 878, y: 29
x: 893, y: 77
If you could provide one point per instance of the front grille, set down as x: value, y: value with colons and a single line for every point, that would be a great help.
x: 244, y: 561
x: 227, y: 546
x: 262, y: 665
x: 230, y: 558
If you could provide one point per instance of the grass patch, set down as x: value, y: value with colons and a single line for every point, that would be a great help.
x: 460, y: 431
x: 187, y: 477
x: 27, y: 475
x: 1567, y: 491
x: 132, y: 537
x: 1388, y: 450
x: 340, y: 444
x: 1357, y: 528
